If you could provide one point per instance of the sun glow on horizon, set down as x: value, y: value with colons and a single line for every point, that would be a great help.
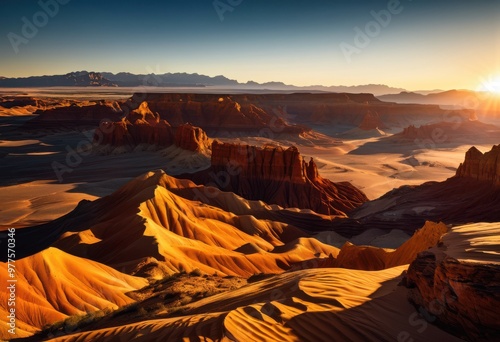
x: 491, y: 85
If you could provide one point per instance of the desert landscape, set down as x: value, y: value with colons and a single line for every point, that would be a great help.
x: 255, y: 205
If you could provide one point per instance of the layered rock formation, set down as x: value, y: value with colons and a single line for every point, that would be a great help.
x: 142, y: 126
x: 457, y: 130
x: 75, y: 115
x: 105, y: 249
x: 371, y: 126
x: 278, y: 176
x: 145, y: 229
x: 482, y: 167
x: 191, y: 138
x: 265, y: 114
x: 470, y: 196
x: 371, y: 121
x: 456, y: 284
x: 216, y: 113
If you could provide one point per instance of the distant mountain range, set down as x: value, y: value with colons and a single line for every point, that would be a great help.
x: 125, y: 79
x: 462, y: 98
x: 484, y: 103
x: 73, y: 79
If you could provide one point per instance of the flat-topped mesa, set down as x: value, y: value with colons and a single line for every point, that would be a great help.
x: 277, y: 175
x: 215, y: 113
x: 274, y: 163
x: 458, y: 130
x: 413, y: 132
x: 142, y: 126
x: 482, y: 167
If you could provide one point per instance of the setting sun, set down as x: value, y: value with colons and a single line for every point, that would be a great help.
x: 492, y: 85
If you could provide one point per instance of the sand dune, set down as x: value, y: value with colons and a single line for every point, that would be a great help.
x: 145, y: 229
x: 53, y: 284
x: 90, y: 255
x: 36, y: 202
x: 318, y: 305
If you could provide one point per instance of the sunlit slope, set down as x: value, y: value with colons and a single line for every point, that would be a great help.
x: 312, y: 305
x: 53, y: 284
x: 148, y: 230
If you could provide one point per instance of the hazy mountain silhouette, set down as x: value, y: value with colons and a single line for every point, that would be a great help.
x: 72, y: 79
x: 126, y: 79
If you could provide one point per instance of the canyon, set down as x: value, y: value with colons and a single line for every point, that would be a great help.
x: 186, y: 215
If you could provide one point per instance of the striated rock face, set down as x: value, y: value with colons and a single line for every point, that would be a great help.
x: 277, y: 176
x: 371, y: 121
x: 219, y: 113
x: 214, y: 113
x: 472, y: 195
x: 482, y: 167
x: 191, y: 138
x: 273, y: 163
x: 456, y: 284
x: 142, y: 126
x: 456, y: 130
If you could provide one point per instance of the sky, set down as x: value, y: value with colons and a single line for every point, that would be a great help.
x: 413, y: 44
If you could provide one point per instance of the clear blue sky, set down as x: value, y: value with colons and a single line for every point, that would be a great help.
x: 427, y: 44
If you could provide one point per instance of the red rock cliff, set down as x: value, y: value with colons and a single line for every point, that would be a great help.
x: 214, y: 113
x: 482, y: 167
x: 277, y: 176
x: 456, y: 284
x: 142, y: 126
x: 191, y: 138
x: 456, y: 130
x: 371, y: 120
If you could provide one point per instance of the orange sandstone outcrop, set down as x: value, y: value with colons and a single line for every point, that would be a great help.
x: 191, y: 138
x: 470, y: 196
x: 214, y: 113
x: 482, y: 167
x: 277, y: 176
x: 455, y: 130
x: 142, y: 126
x: 456, y: 284
x: 371, y: 120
